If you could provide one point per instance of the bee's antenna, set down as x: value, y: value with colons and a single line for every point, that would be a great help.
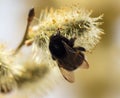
x: 58, y: 31
x: 29, y: 20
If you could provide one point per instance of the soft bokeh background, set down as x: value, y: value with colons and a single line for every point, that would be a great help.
x: 102, y: 79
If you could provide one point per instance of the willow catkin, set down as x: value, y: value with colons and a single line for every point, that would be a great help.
x: 26, y: 78
x: 72, y: 22
x: 7, y: 79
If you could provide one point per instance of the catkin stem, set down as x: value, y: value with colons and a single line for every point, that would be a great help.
x: 29, y: 20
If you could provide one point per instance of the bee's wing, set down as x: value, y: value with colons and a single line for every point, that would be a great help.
x: 68, y: 75
x: 84, y: 64
x: 68, y: 48
x: 72, y: 53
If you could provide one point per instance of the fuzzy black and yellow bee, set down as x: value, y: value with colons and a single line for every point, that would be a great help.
x: 67, y: 56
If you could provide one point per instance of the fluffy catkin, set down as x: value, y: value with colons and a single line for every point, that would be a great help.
x: 72, y: 22
x: 7, y: 79
x: 26, y: 77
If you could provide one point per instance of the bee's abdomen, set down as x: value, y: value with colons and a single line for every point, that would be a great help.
x: 72, y: 62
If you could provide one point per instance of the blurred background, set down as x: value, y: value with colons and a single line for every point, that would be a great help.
x: 102, y: 79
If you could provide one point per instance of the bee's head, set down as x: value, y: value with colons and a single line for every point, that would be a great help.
x: 55, y: 35
x: 56, y: 46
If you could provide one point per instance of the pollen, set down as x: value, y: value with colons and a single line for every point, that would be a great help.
x: 53, y: 21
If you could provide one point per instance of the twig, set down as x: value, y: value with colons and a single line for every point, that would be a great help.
x: 29, y: 20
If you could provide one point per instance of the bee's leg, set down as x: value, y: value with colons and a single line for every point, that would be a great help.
x: 80, y: 49
x: 72, y: 40
x: 58, y: 31
x: 53, y: 57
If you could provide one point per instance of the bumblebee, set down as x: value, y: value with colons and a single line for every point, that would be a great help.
x: 66, y: 55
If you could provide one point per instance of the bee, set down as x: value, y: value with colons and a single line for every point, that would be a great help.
x: 68, y: 57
